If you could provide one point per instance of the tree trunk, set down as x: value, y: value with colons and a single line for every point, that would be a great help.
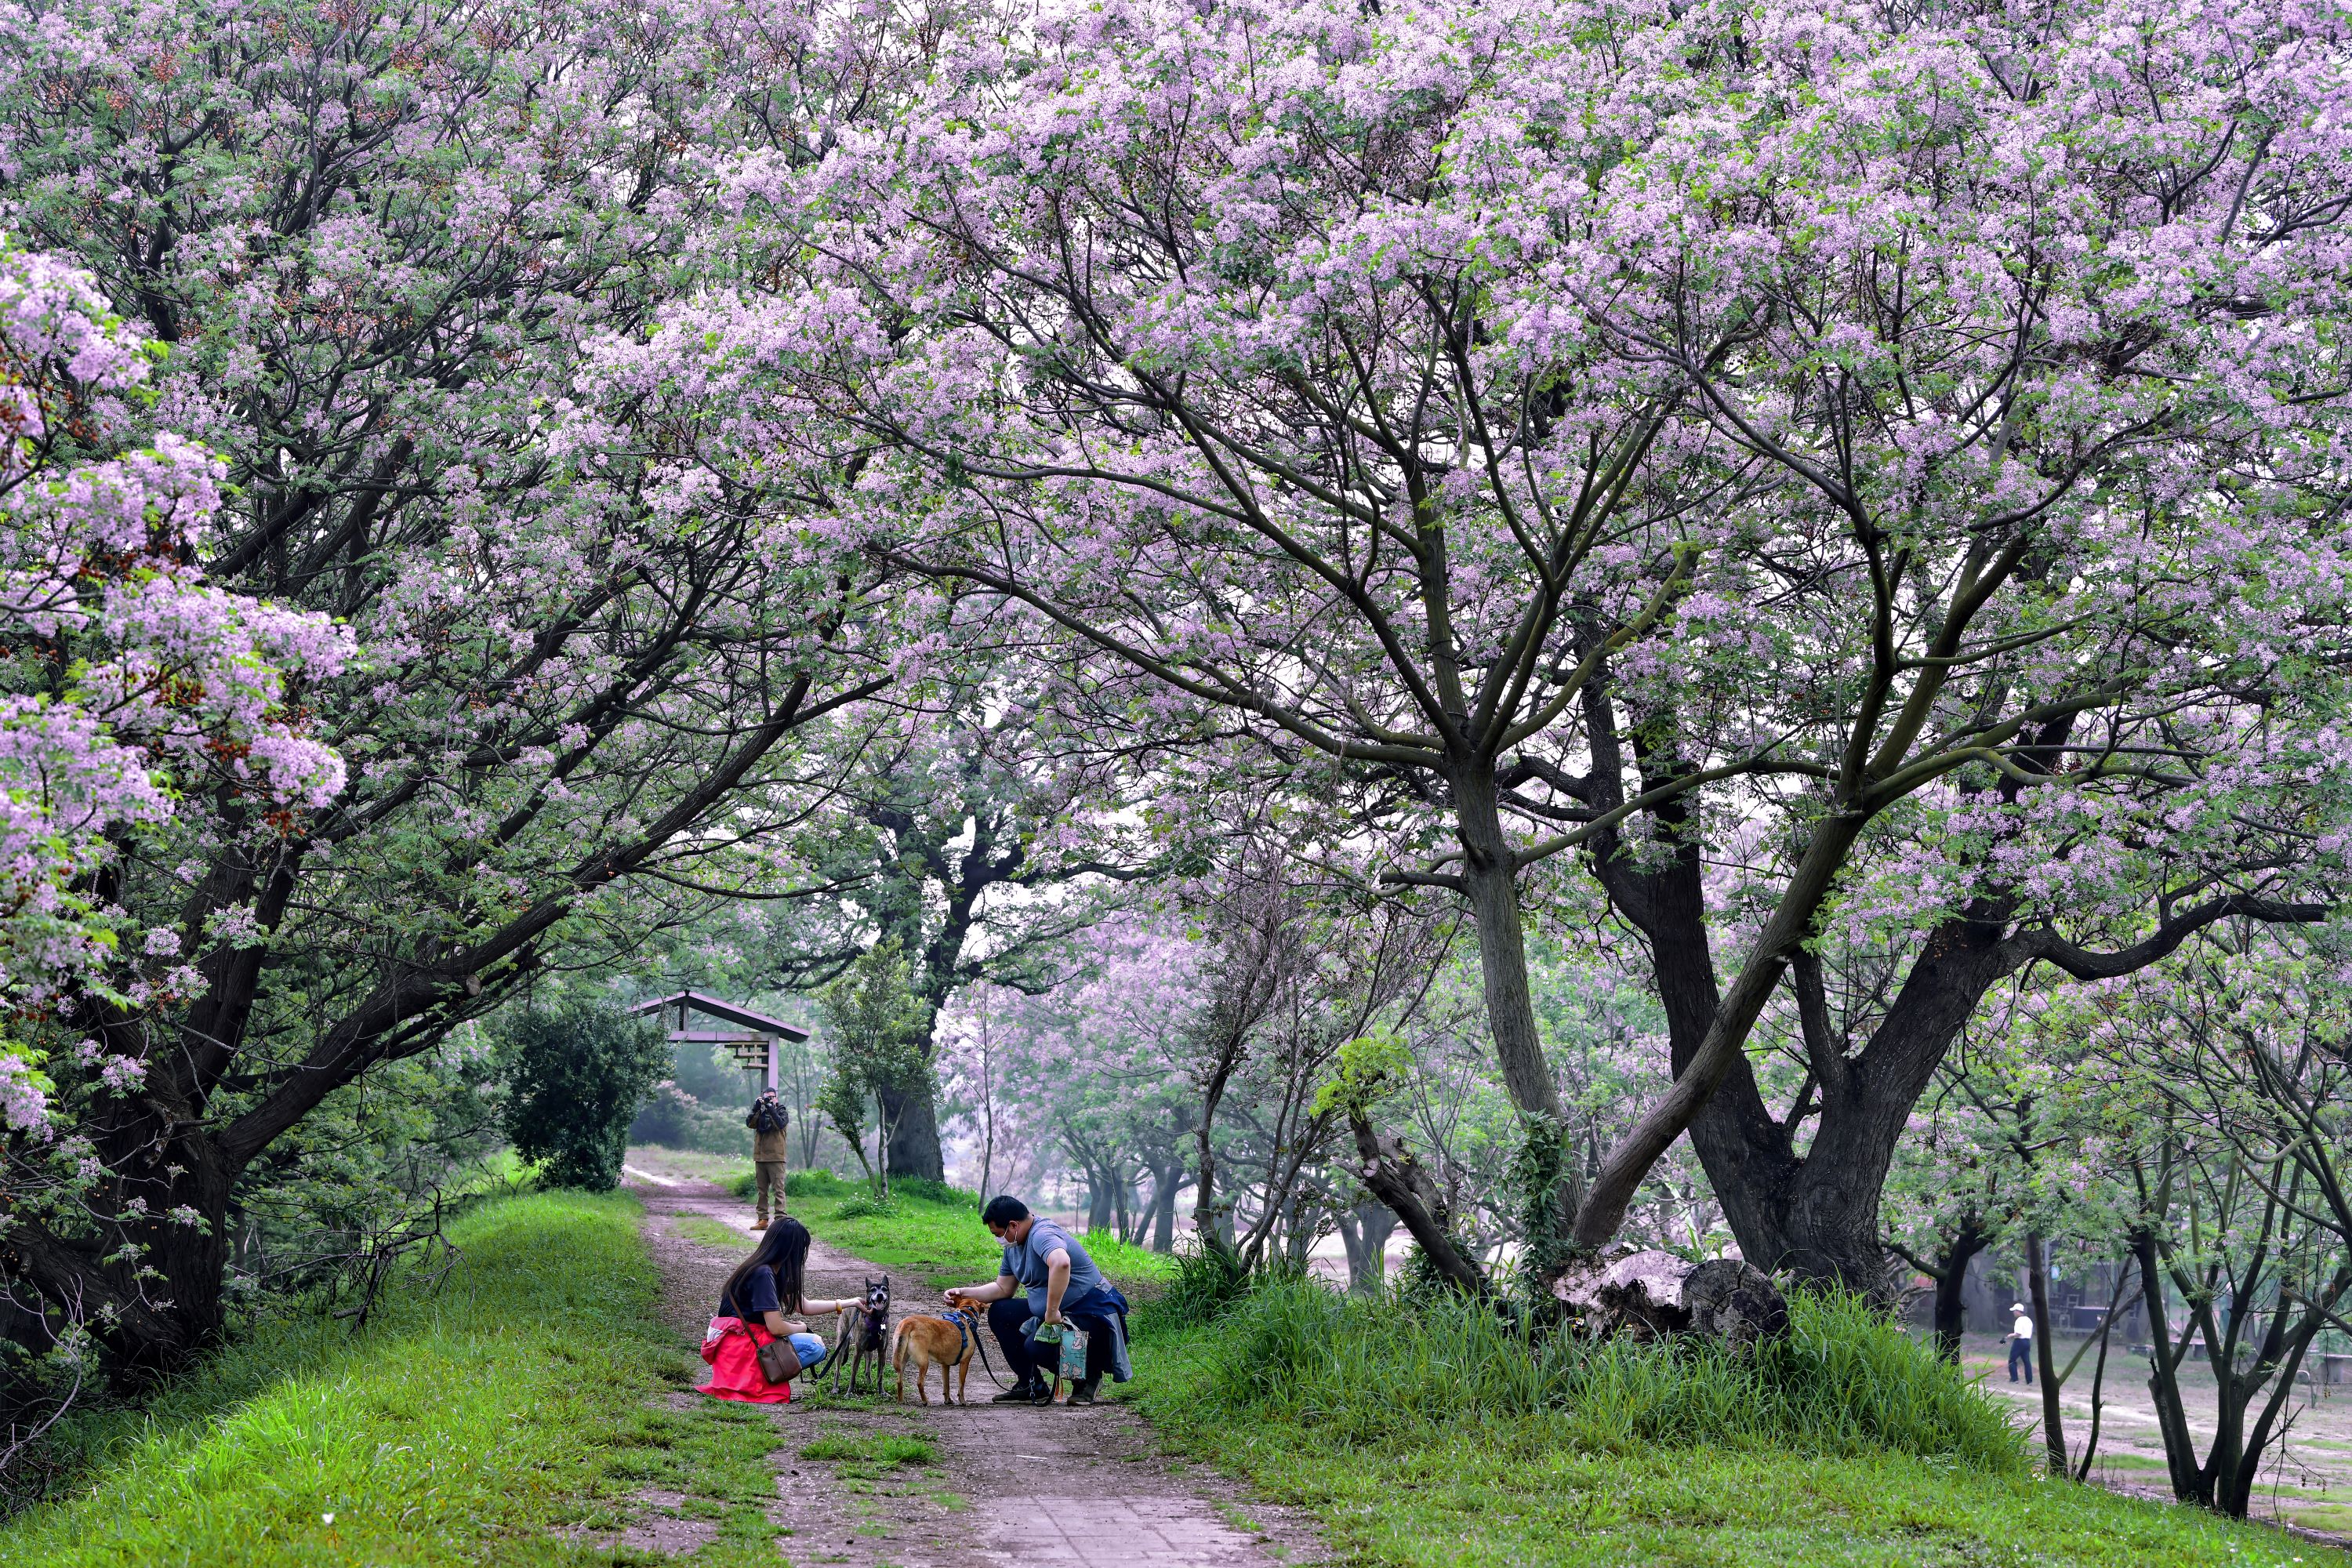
x: 1166, y: 1185
x: 2037, y: 1296
x: 1300, y: 1230
x: 1365, y: 1230
x: 1160, y: 1213
x: 1352, y: 1241
x: 914, y: 1134
x: 1814, y: 1216
x: 1205, y: 1218
x: 1388, y: 1169
x: 1099, y: 1200
x: 1951, y: 1283
x: 1721, y: 1055
x: 1490, y: 882
x: 2164, y: 1377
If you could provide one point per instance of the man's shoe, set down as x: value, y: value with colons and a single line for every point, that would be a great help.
x: 1083, y: 1393
x: 1043, y: 1397
x: 1019, y: 1394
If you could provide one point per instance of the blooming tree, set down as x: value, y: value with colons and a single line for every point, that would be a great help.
x: 974, y: 831
x: 1897, y: 443
x: 2026, y: 315
x: 375, y: 242
x: 135, y: 690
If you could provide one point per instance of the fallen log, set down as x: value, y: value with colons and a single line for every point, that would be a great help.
x: 1649, y: 1295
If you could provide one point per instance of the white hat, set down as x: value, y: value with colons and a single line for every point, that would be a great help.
x: 2017, y: 1306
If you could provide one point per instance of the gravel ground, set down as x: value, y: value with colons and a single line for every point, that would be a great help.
x: 1087, y: 1487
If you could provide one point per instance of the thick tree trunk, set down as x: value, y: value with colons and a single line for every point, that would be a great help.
x: 914, y: 1135
x: 1816, y: 1215
x: 1721, y: 1055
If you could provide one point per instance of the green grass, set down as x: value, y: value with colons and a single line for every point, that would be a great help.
x: 711, y: 1232
x: 1437, y: 1436
x: 933, y: 1232
x: 466, y: 1425
x: 878, y: 1449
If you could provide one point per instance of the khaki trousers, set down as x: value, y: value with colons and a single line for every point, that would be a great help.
x: 772, y: 1179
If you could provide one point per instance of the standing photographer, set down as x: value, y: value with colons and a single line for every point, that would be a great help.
x: 769, y: 1149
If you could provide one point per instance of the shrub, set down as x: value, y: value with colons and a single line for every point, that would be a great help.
x: 934, y: 1192
x: 577, y: 1076
x: 1844, y: 1380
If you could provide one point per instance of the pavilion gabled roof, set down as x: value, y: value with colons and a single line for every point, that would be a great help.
x: 728, y: 1012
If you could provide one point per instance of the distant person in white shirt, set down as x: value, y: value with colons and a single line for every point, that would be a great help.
x: 2021, y: 1343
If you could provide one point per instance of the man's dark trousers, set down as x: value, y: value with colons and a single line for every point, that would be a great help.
x: 2021, y: 1353
x: 1031, y: 1361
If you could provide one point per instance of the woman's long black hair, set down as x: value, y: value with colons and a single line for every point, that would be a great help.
x: 784, y: 1249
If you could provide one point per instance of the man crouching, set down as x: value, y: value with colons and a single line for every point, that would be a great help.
x: 1047, y: 1277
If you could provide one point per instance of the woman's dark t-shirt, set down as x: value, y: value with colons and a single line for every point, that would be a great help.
x: 759, y: 1295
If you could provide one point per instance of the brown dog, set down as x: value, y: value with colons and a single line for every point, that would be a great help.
x: 947, y: 1342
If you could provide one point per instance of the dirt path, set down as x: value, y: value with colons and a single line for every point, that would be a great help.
x: 1087, y: 1487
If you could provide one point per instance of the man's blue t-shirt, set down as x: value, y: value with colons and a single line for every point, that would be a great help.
x: 1026, y: 1262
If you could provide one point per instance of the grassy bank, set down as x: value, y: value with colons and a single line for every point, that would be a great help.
x: 1437, y: 1437
x: 472, y: 1424
x: 933, y: 1232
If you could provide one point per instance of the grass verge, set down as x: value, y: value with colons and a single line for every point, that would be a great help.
x: 470, y: 1424
x: 1434, y: 1436
x: 933, y: 1232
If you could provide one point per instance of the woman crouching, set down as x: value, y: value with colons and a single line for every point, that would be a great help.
x: 762, y: 1303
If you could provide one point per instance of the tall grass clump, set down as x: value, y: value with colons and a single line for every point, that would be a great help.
x: 1397, y: 1371
x: 1200, y: 1287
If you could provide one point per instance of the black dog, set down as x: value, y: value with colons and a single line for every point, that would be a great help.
x: 865, y: 1336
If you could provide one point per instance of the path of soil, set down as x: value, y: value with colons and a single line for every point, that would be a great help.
x: 1087, y: 1487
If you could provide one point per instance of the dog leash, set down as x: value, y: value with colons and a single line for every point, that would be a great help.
x: 980, y: 1344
